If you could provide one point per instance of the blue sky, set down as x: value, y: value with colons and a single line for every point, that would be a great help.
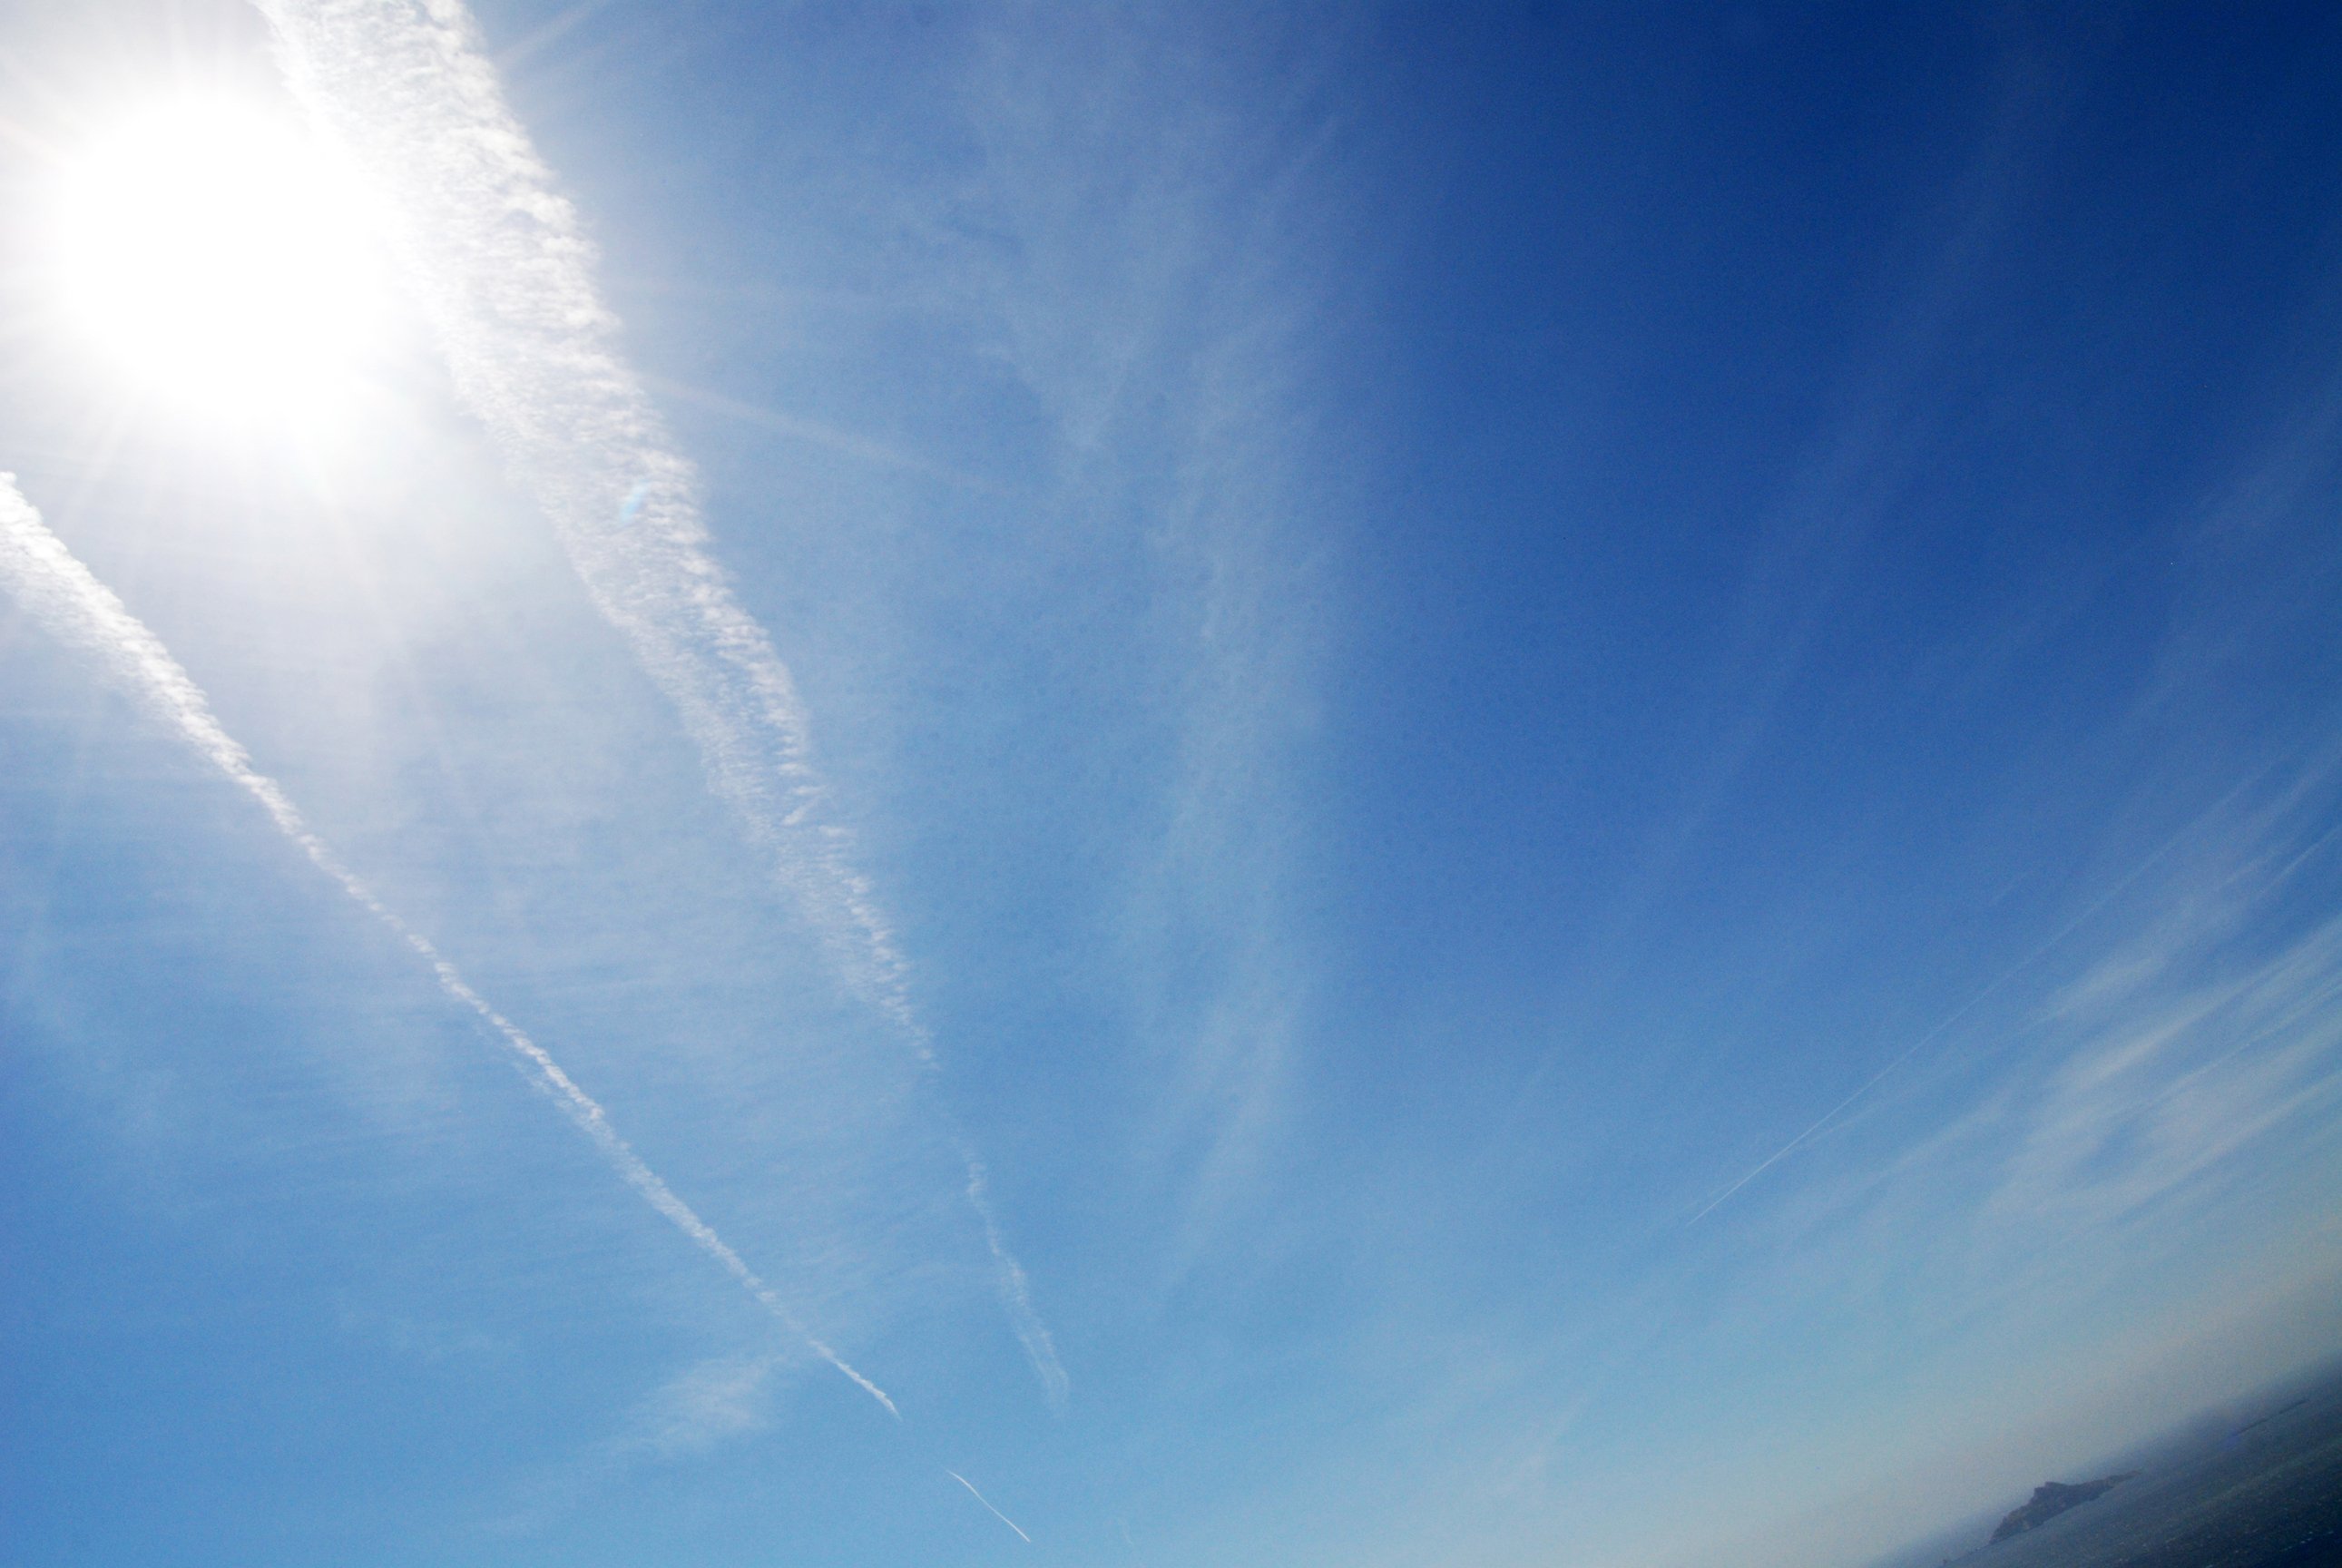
x: 1366, y: 786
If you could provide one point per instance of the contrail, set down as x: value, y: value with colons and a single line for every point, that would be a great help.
x: 980, y: 1497
x: 499, y: 260
x: 60, y: 592
x: 1015, y: 1291
x: 501, y: 265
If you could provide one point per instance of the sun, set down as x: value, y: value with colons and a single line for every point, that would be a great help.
x: 222, y: 260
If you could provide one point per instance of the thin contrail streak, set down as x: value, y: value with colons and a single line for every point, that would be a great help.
x: 60, y: 592
x: 501, y: 265
x: 1964, y: 1009
x: 1015, y: 1291
x: 980, y: 1497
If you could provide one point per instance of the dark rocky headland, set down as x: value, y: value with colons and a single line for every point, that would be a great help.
x: 2052, y: 1498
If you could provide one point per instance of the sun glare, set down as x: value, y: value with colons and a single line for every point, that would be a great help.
x: 222, y: 260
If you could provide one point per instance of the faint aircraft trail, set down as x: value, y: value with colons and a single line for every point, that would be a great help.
x: 980, y: 1497
x: 1015, y: 1291
x: 502, y: 267
x: 68, y: 600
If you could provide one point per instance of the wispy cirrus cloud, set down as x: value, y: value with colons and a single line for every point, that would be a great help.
x: 708, y: 1404
x: 2188, y: 1014
x: 2182, y: 1057
x: 1161, y: 303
